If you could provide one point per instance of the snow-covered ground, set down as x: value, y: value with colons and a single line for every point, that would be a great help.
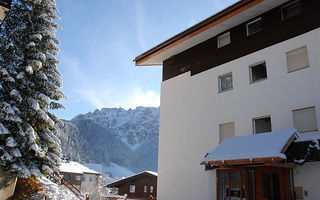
x: 55, y: 191
x: 117, y: 171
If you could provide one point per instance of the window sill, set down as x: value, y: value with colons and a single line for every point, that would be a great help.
x: 225, y: 90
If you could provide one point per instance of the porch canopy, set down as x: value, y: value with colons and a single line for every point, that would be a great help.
x: 266, y: 148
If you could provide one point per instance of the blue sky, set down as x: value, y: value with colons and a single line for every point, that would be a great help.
x: 100, y: 39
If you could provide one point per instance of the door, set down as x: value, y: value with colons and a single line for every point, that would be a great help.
x: 272, y: 183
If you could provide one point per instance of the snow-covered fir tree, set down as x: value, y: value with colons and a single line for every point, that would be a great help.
x: 29, y: 87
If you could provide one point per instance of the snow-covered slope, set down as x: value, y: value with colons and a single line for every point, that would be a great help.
x: 114, y: 137
x: 133, y: 127
x: 117, y: 171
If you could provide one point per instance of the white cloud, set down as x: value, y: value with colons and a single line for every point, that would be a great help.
x: 144, y: 98
x: 141, y: 26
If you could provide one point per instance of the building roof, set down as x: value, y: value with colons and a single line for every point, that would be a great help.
x: 135, y: 176
x: 94, y: 166
x: 233, y: 15
x: 76, y: 168
x: 256, y: 148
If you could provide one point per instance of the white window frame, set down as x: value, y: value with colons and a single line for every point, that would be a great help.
x: 250, y: 71
x: 220, y: 85
x: 145, y: 189
x: 251, y: 22
x: 221, y: 36
x: 132, y: 188
x: 151, y: 189
x: 257, y: 118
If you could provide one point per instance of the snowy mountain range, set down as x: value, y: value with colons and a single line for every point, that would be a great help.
x: 124, y: 141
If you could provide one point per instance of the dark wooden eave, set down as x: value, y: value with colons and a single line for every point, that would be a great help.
x: 187, y: 33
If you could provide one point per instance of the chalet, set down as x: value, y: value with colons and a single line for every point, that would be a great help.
x: 240, y: 104
x: 80, y: 176
x: 139, y: 186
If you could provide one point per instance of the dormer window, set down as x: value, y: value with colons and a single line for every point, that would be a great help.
x: 223, y: 40
x: 254, y: 26
x: 290, y: 10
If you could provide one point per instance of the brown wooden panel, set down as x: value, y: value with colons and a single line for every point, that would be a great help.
x: 206, y: 55
x: 139, y: 182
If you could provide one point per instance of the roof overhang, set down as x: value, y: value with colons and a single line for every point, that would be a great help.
x: 235, y: 14
x: 265, y: 148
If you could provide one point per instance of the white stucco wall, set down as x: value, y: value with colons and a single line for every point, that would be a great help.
x: 308, y: 176
x: 192, y: 109
x: 86, y: 184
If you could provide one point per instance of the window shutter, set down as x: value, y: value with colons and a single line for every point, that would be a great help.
x: 297, y: 59
x: 226, y: 131
x: 224, y: 40
x: 305, y: 119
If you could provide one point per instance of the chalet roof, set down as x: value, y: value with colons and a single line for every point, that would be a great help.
x: 256, y: 148
x: 76, y: 168
x: 94, y: 166
x: 233, y: 15
x: 133, y: 177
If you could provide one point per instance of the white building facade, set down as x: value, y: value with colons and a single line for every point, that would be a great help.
x: 268, y: 88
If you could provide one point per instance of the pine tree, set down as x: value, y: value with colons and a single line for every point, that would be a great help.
x: 29, y: 87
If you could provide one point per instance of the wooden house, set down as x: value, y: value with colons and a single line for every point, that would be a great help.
x: 139, y: 186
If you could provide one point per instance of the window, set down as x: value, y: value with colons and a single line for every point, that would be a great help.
x: 151, y: 189
x: 305, y: 119
x: 226, y: 131
x: 223, y: 40
x: 83, y: 178
x: 254, y: 26
x: 297, y: 59
x: 262, y: 124
x: 290, y: 10
x: 258, y: 72
x: 90, y: 179
x: 145, y: 189
x: 77, y: 178
x: 225, y: 82
x: 299, y: 192
x: 231, y: 184
x: 132, y: 188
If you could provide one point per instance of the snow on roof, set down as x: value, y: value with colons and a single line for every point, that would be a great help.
x: 153, y: 173
x: 129, y: 177
x: 76, y: 168
x: 263, y: 145
x: 94, y: 166
x: 305, y: 138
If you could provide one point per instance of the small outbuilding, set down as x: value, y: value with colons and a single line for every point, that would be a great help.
x: 139, y: 186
